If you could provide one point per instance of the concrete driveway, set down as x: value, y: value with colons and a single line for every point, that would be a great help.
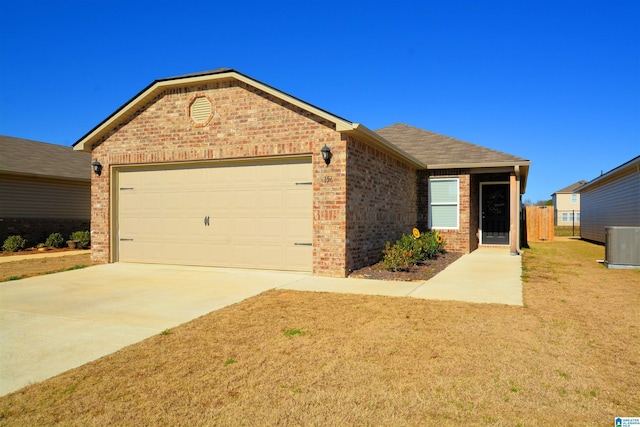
x: 53, y: 323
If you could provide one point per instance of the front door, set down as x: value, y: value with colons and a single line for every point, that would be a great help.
x: 495, y: 214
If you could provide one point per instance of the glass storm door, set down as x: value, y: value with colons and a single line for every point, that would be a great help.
x: 495, y: 214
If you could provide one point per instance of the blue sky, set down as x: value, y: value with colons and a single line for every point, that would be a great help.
x: 556, y: 82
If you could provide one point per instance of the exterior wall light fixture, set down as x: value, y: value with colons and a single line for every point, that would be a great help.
x: 326, y: 154
x: 97, y: 168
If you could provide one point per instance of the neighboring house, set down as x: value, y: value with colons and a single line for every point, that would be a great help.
x: 219, y: 169
x: 44, y: 189
x: 612, y: 199
x: 566, y: 204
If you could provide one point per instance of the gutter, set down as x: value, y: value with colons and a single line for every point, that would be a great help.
x: 478, y: 165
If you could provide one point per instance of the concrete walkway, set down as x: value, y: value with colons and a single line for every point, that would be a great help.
x: 52, y: 323
x: 487, y: 275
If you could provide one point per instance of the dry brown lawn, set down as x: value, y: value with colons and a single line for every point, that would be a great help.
x: 38, y: 266
x: 569, y: 357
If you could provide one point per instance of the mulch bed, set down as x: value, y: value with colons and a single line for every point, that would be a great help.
x: 423, y: 271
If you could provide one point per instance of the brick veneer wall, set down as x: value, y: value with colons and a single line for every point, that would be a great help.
x: 381, y: 194
x: 246, y: 123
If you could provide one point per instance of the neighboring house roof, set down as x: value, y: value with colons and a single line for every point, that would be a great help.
x: 572, y: 188
x: 611, y: 175
x: 32, y: 158
x: 221, y: 74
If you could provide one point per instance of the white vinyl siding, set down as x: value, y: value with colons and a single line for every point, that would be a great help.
x: 444, y: 203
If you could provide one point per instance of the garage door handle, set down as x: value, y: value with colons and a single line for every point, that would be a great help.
x: 206, y: 221
x: 303, y: 244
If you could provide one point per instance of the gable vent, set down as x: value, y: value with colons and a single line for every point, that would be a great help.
x: 200, y: 110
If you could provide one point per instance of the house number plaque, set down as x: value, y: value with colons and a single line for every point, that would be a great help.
x: 327, y: 179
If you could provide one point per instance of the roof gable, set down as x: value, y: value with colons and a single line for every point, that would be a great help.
x: 221, y: 74
x: 571, y: 188
x: 440, y: 151
x: 26, y: 157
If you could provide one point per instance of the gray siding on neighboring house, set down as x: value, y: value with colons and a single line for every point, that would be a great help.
x: 610, y: 201
x: 43, y: 198
x: 44, y: 188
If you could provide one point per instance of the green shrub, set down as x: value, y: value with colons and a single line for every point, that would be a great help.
x: 411, y: 249
x: 429, y: 245
x: 402, y: 255
x: 82, y: 237
x: 14, y: 243
x: 55, y: 240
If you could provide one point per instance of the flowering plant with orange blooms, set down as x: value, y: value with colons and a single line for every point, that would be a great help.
x: 412, y: 249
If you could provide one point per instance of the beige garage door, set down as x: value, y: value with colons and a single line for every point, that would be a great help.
x: 247, y: 215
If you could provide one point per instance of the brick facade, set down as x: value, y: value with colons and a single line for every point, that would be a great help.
x: 362, y: 199
x: 381, y: 193
x: 247, y: 123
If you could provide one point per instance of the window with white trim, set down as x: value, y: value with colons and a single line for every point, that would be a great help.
x: 444, y: 203
x: 565, y: 217
x: 574, y: 198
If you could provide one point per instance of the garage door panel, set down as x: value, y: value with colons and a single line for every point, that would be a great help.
x: 298, y: 198
x: 257, y: 213
x: 269, y: 199
x: 245, y: 227
x: 294, y: 255
x: 272, y: 228
x: 297, y: 229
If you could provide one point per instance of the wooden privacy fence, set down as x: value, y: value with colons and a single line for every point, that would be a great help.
x: 540, y: 220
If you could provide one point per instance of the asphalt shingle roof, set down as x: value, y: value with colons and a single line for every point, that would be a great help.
x: 572, y: 187
x: 27, y: 157
x: 435, y: 149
